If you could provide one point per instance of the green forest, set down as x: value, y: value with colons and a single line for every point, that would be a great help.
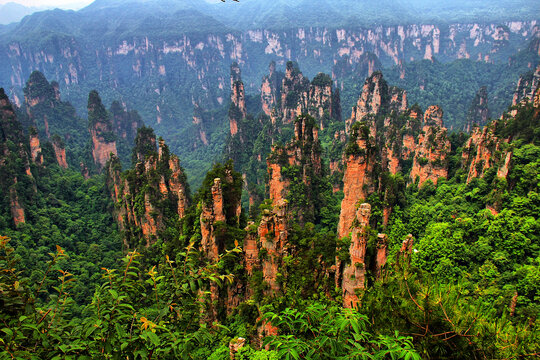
x: 154, y: 204
x: 77, y: 284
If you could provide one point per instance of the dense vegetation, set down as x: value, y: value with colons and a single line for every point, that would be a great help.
x: 69, y: 289
x: 470, y: 289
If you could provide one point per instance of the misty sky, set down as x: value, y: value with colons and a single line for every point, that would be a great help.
x: 49, y: 3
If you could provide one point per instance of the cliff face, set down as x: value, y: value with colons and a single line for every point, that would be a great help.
x: 220, y: 214
x: 294, y: 85
x: 125, y: 123
x: 35, y: 148
x: 48, y: 113
x: 479, y: 153
x: 14, y: 161
x: 150, y: 197
x: 17, y: 211
x: 478, y: 112
x: 302, y: 157
x: 198, y: 59
x: 40, y: 96
x: 101, y: 131
x: 488, y: 147
x: 377, y: 141
x: 320, y: 100
x: 430, y: 157
x: 358, y: 183
x: 526, y: 87
x: 377, y: 98
x: 385, y: 138
x: 271, y: 89
x: 237, y: 110
x: 273, y: 232
x: 59, y: 151
x: 365, y: 65
x: 354, y: 274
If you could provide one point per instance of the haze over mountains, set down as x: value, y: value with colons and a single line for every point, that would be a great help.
x: 11, y: 12
x: 165, y: 58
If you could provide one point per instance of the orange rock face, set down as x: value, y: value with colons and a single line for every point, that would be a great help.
x: 35, y: 149
x: 251, y: 249
x: 277, y: 185
x: 304, y: 156
x: 273, y: 233
x: 382, y: 254
x: 357, y: 184
x: 478, y: 152
x: 270, y: 90
x: 238, y: 99
x: 433, y: 116
x: 268, y: 99
x: 101, y: 149
x: 371, y: 100
x: 17, y: 211
x: 60, y: 153
x: 171, y: 186
x: 526, y: 88
x: 101, y: 131
x: 212, y: 214
x: 503, y: 171
x: 292, y: 90
x: 319, y: 101
x: 354, y: 274
x: 406, y: 248
x: 432, y: 149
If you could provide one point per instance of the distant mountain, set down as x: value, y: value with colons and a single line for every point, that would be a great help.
x: 13, y: 12
x: 166, y: 58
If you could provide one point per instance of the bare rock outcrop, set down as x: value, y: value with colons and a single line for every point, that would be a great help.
x: 478, y: 113
x: 139, y: 194
x: 35, y: 147
x: 237, y: 110
x: 354, y: 274
x: 303, y: 155
x: 59, y: 151
x: 101, y: 131
x: 432, y: 149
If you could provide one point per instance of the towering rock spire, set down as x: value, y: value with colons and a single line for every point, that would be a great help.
x: 35, y: 147
x: 478, y: 111
x: 101, y: 131
x: 360, y: 160
x: 270, y: 89
x: 294, y: 84
x: 125, y: 123
x: 377, y: 98
x: 237, y: 110
x: 303, y: 154
x: 430, y: 157
x: 59, y: 151
x: 354, y: 274
x: 14, y: 160
x: 149, y: 195
x: 385, y: 137
x: 526, y: 87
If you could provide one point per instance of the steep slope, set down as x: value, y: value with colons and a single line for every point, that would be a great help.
x: 14, y: 162
x: 101, y: 131
x: 150, y: 198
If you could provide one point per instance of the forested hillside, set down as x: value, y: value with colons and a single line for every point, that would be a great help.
x: 371, y: 234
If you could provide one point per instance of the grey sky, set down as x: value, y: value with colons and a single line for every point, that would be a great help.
x: 50, y: 3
